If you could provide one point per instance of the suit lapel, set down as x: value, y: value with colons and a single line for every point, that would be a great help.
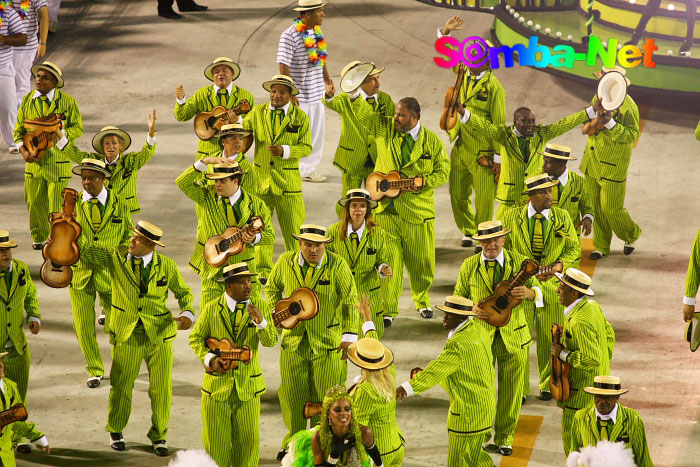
x: 54, y: 102
x: 484, y: 275
x: 15, y: 280
x: 396, y: 149
x: 478, y: 86
x: 126, y: 264
x: 219, y: 214
x: 243, y: 324
x: 565, y: 191
x: 109, y: 209
x: 226, y: 316
x: 620, y: 424
x: 593, y: 424
x: 294, y: 262
x: 318, y: 272
x: 525, y: 228
x: 267, y: 120
x: 514, y: 147
x: 155, y: 266
x: 245, y: 210
x: 417, y: 148
x: 548, y: 230
x: 213, y: 97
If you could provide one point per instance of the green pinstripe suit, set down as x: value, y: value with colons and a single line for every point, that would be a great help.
x: 486, y: 98
x: 560, y: 243
x: 590, y: 340
x: 124, y: 174
x: 357, y: 149
x: 141, y: 329
x: 26, y: 429
x: 309, y: 361
x: 211, y: 221
x: 465, y: 370
x: 628, y: 428
x: 277, y: 180
x: 692, y: 279
x: 231, y: 401
x: 605, y: 163
x: 410, y: 218
x: 45, y: 179
x: 515, y: 167
x: 204, y: 100
x: 509, y: 346
x: 373, y: 251
x: 697, y: 132
x: 91, y: 279
x: 575, y: 199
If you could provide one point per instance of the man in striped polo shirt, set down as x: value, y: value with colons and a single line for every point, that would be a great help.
x: 35, y: 16
x: 307, y: 67
x: 13, y: 33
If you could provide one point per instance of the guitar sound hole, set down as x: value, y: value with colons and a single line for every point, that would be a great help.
x: 384, y: 185
x: 211, y: 121
x: 223, y: 245
x: 294, y: 308
x: 502, y: 303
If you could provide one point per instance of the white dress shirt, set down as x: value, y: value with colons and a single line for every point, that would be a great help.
x: 102, y: 197
x: 611, y: 416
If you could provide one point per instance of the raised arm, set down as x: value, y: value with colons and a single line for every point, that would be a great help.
x: 377, y: 125
x: 567, y: 123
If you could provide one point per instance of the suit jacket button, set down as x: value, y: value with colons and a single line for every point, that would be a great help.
x: 591, y: 148
x: 140, y: 308
x: 8, y: 325
x: 9, y: 309
x: 95, y: 238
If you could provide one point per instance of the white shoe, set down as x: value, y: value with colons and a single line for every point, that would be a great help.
x: 101, y: 319
x: 13, y: 150
x: 314, y: 178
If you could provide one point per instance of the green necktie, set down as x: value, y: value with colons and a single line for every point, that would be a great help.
x: 237, y: 316
x: 223, y: 97
x: 490, y: 269
x: 407, y: 144
x: 231, y: 217
x: 555, y: 193
x: 355, y: 240
x: 524, y: 145
x: 538, y: 236
x: 142, y: 273
x: 95, y: 213
x: 5, y: 282
x: 373, y: 102
x: 45, y: 104
x: 308, y: 273
x: 604, y: 434
x: 277, y: 117
x: 471, y: 82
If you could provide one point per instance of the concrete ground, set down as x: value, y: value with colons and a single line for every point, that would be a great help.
x: 120, y: 61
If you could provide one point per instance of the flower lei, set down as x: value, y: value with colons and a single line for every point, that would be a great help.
x: 2, y: 12
x: 23, y: 9
x: 315, y: 46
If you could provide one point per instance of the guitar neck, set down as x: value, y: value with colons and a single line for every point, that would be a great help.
x: 280, y: 316
x: 518, y: 281
x: 233, y: 354
x: 404, y: 182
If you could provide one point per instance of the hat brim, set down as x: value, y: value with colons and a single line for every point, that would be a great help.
x: 267, y: 86
x: 455, y: 311
x: 501, y: 233
x: 555, y: 156
x: 208, y: 71
x: 4, y: 354
x: 306, y: 8
x: 243, y: 274
x: 693, y: 333
x: 600, y: 74
x: 589, y: 292
x: 8, y: 244
x: 605, y: 392
x: 387, y: 360
x: 59, y: 79
x: 313, y: 238
x: 78, y: 170
x: 219, y: 176
x: 97, y: 139
x: 157, y: 242
x: 372, y: 204
x: 542, y: 187
x: 376, y: 71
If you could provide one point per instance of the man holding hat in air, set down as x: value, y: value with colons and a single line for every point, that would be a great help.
x: 546, y: 235
x: 587, y: 344
x: 231, y: 397
x: 314, y: 350
x: 141, y: 327
x: 465, y: 369
x: 222, y: 72
x: 45, y: 178
x: 235, y: 142
x: 610, y: 420
x: 478, y: 278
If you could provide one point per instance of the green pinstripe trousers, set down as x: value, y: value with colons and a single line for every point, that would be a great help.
x: 291, y: 213
x: 610, y: 214
x: 552, y: 312
x: 17, y: 369
x: 462, y: 181
x: 512, y: 369
x: 350, y: 182
x: 306, y: 377
x: 465, y: 450
x: 83, y: 304
x: 414, y: 245
x: 41, y: 197
x: 394, y: 459
x: 567, y: 422
x: 126, y: 362
x: 231, y: 430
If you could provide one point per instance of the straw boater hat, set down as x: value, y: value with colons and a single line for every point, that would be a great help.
x: 618, y: 68
x: 92, y: 164
x: 149, y: 231
x: 225, y: 170
x: 236, y: 270
x: 358, y: 193
x: 577, y: 280
x: 5, y: 241
x: 281, y: 79
x: 539, y: 182
x: 457, y: 306
x: 376, y: 70
x: 692, y: 332
x: 354, y: 74
x: 490, y: 229
x: 557, y: 151
x: 606, y: 386
x: 233, y: 129
x: 305, y: 5
x: 51, y: 68
x: 110, y: 130
x: 313, y: 233
x: 370, y: 354
x: 208, y: 71
x: 4, y: 354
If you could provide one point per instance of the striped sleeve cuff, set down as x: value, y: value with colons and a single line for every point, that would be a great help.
x: 467, y: 115
x: 200, y: 166
x: 207, y: 359
x: 42, y: 442
x: 187, y: 314
x: 33, y: 319
x: 367, y: 327
x: 180, y: 101
x: 564, y: 354
x: 539, y: 303
x: 349, y: 337
x: 62, y: 143
x: 408, y: 388
x: 611, y: 124
x: 591, y: 113
x: 590, y: 216
x: 151, y: 140
x: 689, y: 301
x: 262, y: 325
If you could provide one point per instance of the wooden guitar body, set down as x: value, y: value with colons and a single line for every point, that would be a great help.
x: 16, y: 413
x: 219, y: 248
x: 559, y: 379
x: 311, y: 409
x: 55, y: 275
x: 381, y: 185
x: 302, y: 305
x: 39, y: 138
x: 61, y: 250
x: 229, y: 353
x: 207, y: 124
x: 449, y: 116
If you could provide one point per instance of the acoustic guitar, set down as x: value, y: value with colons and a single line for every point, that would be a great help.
x: 207, y: 124
x: 391, y: 185
x: 40, y: 136
x: 449, y: 116
x: 500, y: 305
x: 61, y: 250
x: 229, y: 353
x: 56, y: 276
x: 16, y: 413
x: 311, y: 409
x: 219, y: 248
x: 302, y: 305
x: 559, y: 379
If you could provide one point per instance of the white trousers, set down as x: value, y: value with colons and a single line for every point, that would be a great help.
x: 317, y: 125
x: 23, y: 60
x: 8, y: 108
x: 53, y: 5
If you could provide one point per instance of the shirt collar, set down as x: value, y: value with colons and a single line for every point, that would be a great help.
x: 531, y: 212
x: 146, y: 258
x: 11, y: 266
x: 229, y: 88
x: 236, y: 196
x: 611, y: 416
x: 359, y: 231
x: 234, y: 156
x: 284, y: 107
x: 232, y: 303
x: 367, y: 96
x: 501, y: 258
x: 114, y: 162
x: 102, y: 197
x: 461, y: 325
x: 302, y: 260
x: 517, y: 133
x: 479, y: 76
x: 568, y: 309
x: 49, y: 94
x: 2, y: 385
x: 563, y: 178
x: 415, y: 131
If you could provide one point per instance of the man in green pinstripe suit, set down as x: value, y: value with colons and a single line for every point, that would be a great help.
x: 141, y: 327
x: 587, y: 344
x: 106, y: 222
x: 465, y: 369
x: 219, y: 207
x: 235, y: 141
x: 45, y: 178
x: 313, y: 352
x: 692, y: 280
x: 478, y: 278
x: 282, y: 137
x: 357, y: 149
x: 605, y: 163
x: 570, y: 194
x: 404, y: 144
x: 610, y: 420
x: 545, y: 234
x: 222, y: 72
x: 231, y: 397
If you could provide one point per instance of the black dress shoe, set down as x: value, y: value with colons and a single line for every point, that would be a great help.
x: 478, y: 249
x: 505, y: 450
x: 466, y: 242
x: 24, y: 448
x: 491, y: 448
x: 191, y: 6
x: 116, y: 442
x: 37, y: 246
x: 169, y: 14
x: 387, y: 321
x: 628, y: 249
x: 94, y: 381
x: 281, y: 454
x: 595, y: 255
x: 426, y: 313
x: 524, y: 400
x: 160, y: 447
x: 545, y: 396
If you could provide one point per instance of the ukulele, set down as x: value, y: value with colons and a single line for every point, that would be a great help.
x: 500, y: 305
x: 61, y: 250
x: 219, y: 248
x: 302, y: 305
x: 391, y: 185
x: 16, y: 413
x: 206, y: 124
x: 311, y: 409
x: 40, y: 138
x: 229, y: 353
x: 449, y: 116
x: 559, y: 379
